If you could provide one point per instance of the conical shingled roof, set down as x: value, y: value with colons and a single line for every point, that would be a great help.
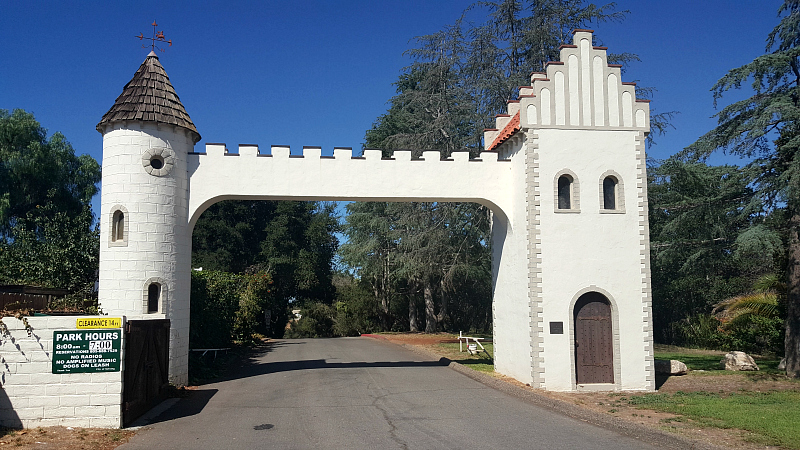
x: 149, y: 97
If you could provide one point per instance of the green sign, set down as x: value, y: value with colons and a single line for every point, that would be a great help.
x: 83, y: 351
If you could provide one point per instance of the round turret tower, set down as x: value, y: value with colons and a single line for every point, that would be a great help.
x: 145, y: 247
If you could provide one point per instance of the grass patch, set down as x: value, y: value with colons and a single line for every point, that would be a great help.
x: 482, y: 362
x: 709, y: 361
x: 770, y: 415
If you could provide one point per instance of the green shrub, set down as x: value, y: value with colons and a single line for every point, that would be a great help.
x: 214, y: 304
x: 751, y: 334
x: 256, y: 298
x: 699, y: 331
x: 756, y: 334
x: 228, y: 307
x: 317, y: 320
x: 356, y: 310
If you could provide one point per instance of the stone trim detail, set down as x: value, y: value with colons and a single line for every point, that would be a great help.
x: 162, y: 299
x: 619, y: 193
x: 617, y: 385
x: 533, y: 210
x: 167, y: 157
x: 575, y: 193
x: 644, y: 246
x: 126, y: 227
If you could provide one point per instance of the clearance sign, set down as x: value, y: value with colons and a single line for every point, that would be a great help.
x: 99, y: 322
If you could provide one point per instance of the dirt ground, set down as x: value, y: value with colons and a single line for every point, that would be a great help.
x: 615, y: 402
x: 64, y: 438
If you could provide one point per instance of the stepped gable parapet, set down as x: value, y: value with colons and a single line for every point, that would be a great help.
x: 580, y: 91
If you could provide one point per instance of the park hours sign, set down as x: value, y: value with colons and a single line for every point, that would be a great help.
x: 87, y: 351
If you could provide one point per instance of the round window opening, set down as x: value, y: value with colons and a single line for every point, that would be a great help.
x: 157, y: 162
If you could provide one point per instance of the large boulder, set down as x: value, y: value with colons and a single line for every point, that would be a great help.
x: 670, y: 367
x: 738, y: 361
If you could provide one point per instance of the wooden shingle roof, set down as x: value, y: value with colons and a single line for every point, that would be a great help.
x: 149, y: 97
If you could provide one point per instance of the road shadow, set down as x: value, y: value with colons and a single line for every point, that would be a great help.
x: 192, y: 404
x: 265, y: 368
x: 207, y: 368
x: 252, y: 364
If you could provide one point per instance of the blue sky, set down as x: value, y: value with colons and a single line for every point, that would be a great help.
x: 319, y: 72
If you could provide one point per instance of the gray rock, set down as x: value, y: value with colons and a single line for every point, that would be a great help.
x: 782, y: 364
x: 738, y: 361
x: 671, y: 367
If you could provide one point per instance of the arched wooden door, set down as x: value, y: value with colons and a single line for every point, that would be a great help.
x: 594, y: 347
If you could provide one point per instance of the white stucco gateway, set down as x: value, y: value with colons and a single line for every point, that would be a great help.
x: 563, y: 174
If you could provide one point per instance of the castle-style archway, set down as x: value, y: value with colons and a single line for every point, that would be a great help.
x: 577, y: 118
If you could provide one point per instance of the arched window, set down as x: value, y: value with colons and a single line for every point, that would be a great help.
x: 118, y: 226
x: 610, y: 193
x: 153, y: 297
x: 565, y: 192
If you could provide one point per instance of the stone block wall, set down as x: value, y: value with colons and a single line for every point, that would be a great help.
x: 33, y: 396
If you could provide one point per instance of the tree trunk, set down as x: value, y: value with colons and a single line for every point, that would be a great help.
x: 430, y: 313
x: 792, y: 341
x: 442, y: 317
x: 413, y: 323
x: 385, y: 295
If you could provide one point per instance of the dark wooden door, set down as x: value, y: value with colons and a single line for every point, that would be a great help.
x: 594, y: 348
x: 146, y: 367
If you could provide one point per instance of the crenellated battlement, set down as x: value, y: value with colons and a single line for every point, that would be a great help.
x: 281, y: 152
x: 276, y: 172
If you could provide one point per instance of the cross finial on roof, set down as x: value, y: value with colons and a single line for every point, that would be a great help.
x: 158, y: 36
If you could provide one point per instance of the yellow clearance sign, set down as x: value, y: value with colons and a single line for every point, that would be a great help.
x: 99, y: 322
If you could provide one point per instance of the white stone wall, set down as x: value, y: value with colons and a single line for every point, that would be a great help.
x: 274, y: 174
x: 510, y: 306
x: 577, y: 118
x: 158, y: 242
x: 32, y: 396
x: 591, y: 250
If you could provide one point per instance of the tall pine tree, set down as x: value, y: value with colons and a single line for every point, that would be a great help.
x: 765, y: 128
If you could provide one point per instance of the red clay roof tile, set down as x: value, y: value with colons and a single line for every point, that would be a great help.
x: 511, y: 127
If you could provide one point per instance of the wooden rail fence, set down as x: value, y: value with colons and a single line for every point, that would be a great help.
x: 18, y: 300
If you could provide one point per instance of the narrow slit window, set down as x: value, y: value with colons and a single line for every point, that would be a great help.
x: 118, y: 227
x: 153, y: 297
x: 610, y: 193
x: 564, y: 192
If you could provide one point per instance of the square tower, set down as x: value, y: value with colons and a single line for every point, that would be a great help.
x: 576, y: 140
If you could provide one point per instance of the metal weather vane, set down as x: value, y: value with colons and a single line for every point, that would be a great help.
x: 158, y: 36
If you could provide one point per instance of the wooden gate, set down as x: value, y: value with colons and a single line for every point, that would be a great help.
x: 594, y: 347
x: 146, y: 367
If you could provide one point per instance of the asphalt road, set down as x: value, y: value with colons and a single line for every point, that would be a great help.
x: 360, y: 393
